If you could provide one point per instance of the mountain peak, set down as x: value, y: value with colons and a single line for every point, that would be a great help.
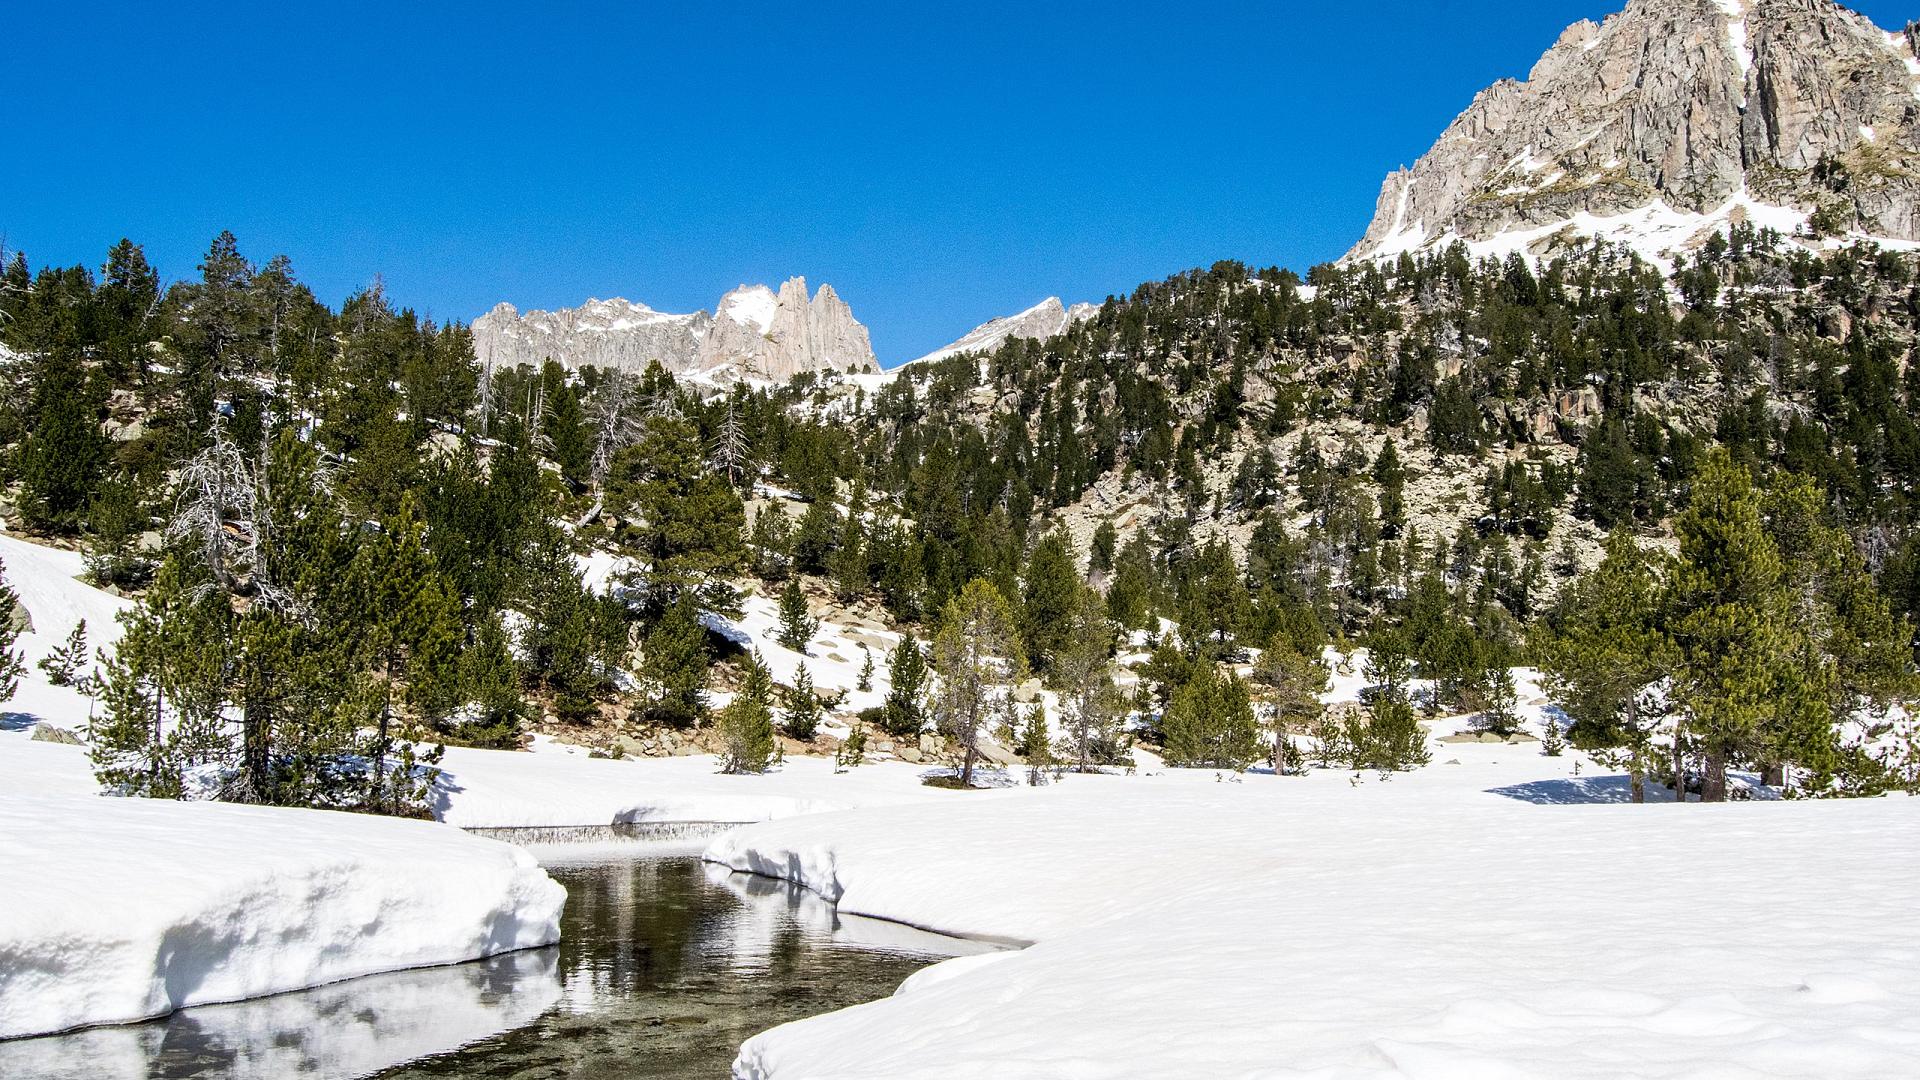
x: 1671, y: 119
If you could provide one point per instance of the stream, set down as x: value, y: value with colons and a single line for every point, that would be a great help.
x: 664, y: 967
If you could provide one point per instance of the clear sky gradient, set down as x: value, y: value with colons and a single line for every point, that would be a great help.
x: 939, y: 165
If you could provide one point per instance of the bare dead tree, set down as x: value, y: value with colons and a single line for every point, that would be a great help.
x: 731, y: 452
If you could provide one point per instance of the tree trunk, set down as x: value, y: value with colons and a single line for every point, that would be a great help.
x: 1713, y: 784
x: 1774, y: 775
x: 1679, y: 768
x: 966, y: 765
x: 254, y: 751
x: 1638, y: 765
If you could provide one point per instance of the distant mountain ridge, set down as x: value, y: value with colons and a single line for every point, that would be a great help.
x: 1043, y: 320
x: 756, y: 334
x: 1672, y: 118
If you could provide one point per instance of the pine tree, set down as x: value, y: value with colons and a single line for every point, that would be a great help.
x: 674, y: 665
x: 1090, y: 703
x: 12, y: 666
x: 490, y: 679
x: 852, y: 751
x: 1611, y: 649
x: 1209, y: 722
x: 978, y: 658
x: 801, y: 706
x: 1291, y: 683
x: 746, y: 724
x: 1737, y: 674
x: 63, y: 662
x: 864, y: 684
x: 1501, y: 716
x: 1036, y: 745
x: 681, y: 522
x: 906, y: 677
x: 1049, y: 588
x: 797, y: 627
x: 772, y: 543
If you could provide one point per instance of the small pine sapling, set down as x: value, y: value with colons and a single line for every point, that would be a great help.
x: 865, y: 684
x: 853, y: 752
x: 62, y: 665
x: 1036, y: 745
x: 1553, y: 741
x: 802, y: 706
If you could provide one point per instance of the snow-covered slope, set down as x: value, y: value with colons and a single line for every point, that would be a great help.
x: 1445, y: 924
x: 1043, y: 320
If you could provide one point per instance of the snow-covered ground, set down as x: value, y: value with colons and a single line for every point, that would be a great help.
x: 1454, y: 922
x: 504, y: 789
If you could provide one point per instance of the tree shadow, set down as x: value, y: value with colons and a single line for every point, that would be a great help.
x: 1581, y: 791
x: 17, y: 721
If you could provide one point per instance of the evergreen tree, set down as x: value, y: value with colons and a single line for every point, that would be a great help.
x: 1501, y: 715
x: 64, y: 661
x: 1049, y: 589
x: 1091, y: 705
x: 1611, y: 649
x: 797, y: 626
x: 1036, y: 745
x: 746, y: 724
x: 674, y: 666
x: 12, y: 666
x: 802, y: 706
x: 852, y: 751
x: 1209, y: 723
x: 681, y: 522
x: 865, y: 681
x: 906, y: 677
x: 1737, y: 679
x: 978, y: 658
x: 1291, y: 683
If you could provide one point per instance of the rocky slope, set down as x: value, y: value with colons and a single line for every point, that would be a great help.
x: 1041, y: 321
x: 756, y: 334
x: 1671, y: 118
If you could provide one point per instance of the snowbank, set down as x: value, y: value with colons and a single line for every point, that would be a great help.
x: 355, y: 1028
x: 505, y: 789
x: 1421, y: 927
x: 123, y: 909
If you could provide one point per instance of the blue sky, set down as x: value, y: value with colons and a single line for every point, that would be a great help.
x: 938, y: 166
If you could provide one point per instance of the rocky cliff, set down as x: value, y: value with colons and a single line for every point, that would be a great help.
x: 755, y: 333
x: 1671, y: 118
x: 1041, y: 321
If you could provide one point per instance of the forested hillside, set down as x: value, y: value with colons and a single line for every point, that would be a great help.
x: 350, y: 542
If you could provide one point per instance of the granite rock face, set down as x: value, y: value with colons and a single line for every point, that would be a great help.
x: 1785, y: 111
x: 1043, y: 320
x: 754, y: 333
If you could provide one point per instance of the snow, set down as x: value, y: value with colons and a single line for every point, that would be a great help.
x: 1332, y: 926
x: 751, y: 305
x: 504, y: 789
x: 1736, y: 13
x: 355, y: 1028
x: 833, y: 657
x: 124, y: 909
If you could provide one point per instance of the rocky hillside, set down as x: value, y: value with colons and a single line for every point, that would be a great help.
x: 1039, y: 322
x: 1670, y: 119
x: 758, y: 334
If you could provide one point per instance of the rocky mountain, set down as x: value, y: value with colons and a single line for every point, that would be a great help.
x: 1041, y: 321
x: 1669, y: 119
x: 756, y: 334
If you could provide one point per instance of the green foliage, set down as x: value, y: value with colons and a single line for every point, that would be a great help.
x: 797, y: 626
x: 64, y: 661
x: 1209, y: 723
x: 801, y: 706
x: 978, y: 657
x: 903, y: 717
x: 674, y: 666
x: 746, y: 724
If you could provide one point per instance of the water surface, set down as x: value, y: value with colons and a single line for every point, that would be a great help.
x: 665, y: 966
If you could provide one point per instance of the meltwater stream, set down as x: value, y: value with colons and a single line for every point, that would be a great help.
x: 665, y: 966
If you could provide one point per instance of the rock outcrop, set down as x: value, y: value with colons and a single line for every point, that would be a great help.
x: 1041, y: 321
x: 1671, y: 118
x: 755, y: 334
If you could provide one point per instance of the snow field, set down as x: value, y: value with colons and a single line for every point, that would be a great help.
x: 124, y: 909
x: 1422, y: 927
